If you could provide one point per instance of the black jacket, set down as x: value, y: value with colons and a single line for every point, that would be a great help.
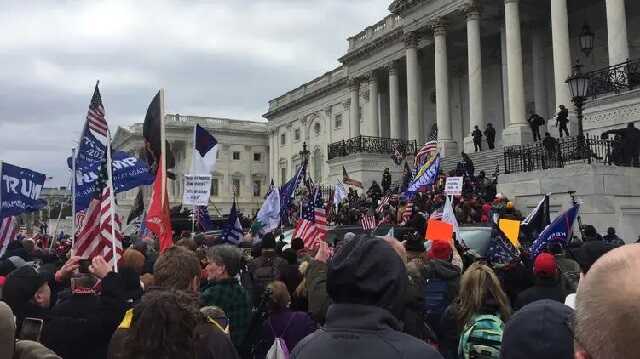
x: 543, y: 289
x: 361, y: 331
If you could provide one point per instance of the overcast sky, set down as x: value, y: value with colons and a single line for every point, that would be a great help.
x: 223, y: 58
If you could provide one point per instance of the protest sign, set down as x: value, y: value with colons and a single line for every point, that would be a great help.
x: 439, y: 231
x: 196, y: 190
x: 453, y: 186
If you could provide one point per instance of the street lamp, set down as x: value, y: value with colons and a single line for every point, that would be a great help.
x: 304, y: 154
x: 579, y: 88
x: 586, y: 40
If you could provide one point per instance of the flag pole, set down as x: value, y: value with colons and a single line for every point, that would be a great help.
x: 2, y: 165
x: 112, y: 203
x: 163, y: 157
x: 73, y: 199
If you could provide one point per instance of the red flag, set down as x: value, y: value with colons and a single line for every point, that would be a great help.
x: 158, y: 219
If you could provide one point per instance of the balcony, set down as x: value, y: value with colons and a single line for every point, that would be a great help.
x: 370, y: 145
x: 614, y: 79
x: 384, y: 26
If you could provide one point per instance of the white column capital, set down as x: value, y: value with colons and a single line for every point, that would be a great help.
x: 439, y: 27
x: 511, y: 1
x: 392, y: 67
x: 328, y: 110
x: 372, y: 76
x: 411, y: 39
x: 472, y: 11
x: 354, y: 84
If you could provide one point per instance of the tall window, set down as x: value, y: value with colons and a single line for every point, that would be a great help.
x: 296, y: 134
x: 236, y: 187
x: 317, y: 165
x: 338, y: 121
x: 214, y: 187
x: 316, y: 128
x: 283, y: 139
x: 256, y: 188
x: 283, y: 175
x: 236, y: 155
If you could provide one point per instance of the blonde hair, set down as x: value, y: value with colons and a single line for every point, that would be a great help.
x: 280, y: 297
x: 478, y: 285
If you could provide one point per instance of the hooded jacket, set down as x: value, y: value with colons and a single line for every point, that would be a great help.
x: 367, y: 282
x: 544, y: 288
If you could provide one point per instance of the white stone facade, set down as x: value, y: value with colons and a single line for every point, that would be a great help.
x: 457, y: 63
x: 242, y: 164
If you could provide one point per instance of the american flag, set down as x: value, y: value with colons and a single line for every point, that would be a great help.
x: 95, y: 116
x: 312, y: 227
x: 384, y: 201
x: 350, y: 181
x: 368, y: 222
x: 8, y: 231
x: 95, y: 234
x: 437, y: 214
x: 203, y: 219
x: 424, y: 153
x: 407, y: 213
x: 500, y: 250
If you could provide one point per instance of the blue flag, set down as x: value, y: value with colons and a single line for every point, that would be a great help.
x: 20, y: 190
x: 203, y: 219
x: 233, y: 229
x: 287, y: 192
x: 560, y: 230
x: 426, y: 176
x: 500, y: 250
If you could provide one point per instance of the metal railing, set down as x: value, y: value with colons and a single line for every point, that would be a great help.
x: 369, y: 144
x: 614, y: 79
x: 537, y: 156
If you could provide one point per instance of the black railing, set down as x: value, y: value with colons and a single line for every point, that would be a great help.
x: 614, y: 79
x: 536, y: 156
x: 369, y: 144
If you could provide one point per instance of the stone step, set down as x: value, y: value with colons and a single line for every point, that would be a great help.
x: 482, y: 161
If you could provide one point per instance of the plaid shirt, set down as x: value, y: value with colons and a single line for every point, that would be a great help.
x: 232, y: 298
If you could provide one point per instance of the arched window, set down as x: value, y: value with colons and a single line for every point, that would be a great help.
x: 316, y: 128
x: 317, y: 165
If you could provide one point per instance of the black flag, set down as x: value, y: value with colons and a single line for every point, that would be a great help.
x: 138, y: 207
x: 151, y: 134
x: 537, y: 220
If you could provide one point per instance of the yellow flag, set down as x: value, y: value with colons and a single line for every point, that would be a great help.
x: 511, y: 229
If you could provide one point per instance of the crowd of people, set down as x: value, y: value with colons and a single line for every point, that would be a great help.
x: 367, y: 296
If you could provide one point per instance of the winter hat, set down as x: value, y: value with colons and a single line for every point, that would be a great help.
x: 440, y: 250
x: 539, y: 330
x: 414, y: 244
x: 21, y: 285
x: 545, y: 265
x: 368, y: 272
x: 268, y: 241
x: 589, y: 253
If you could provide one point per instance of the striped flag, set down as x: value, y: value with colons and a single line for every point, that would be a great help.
x: 425, y: 152
x: 407, y: 213
x: 94, y: 234
x: 384, y: 201
x: 8, y: 231
x: 350, y: 181
x: 312, y: 228
x: 368, y: 222
x: 95, y: 115
x: 437, y: 214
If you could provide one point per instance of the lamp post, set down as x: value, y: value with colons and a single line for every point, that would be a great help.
x: 304, y: 154
x: 586, y: 40
x: 579, y: 87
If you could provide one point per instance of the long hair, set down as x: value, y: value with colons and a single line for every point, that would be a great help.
x: 480, y: 286
x: 163, y: 326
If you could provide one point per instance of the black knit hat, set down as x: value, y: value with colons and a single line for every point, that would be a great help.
x: 369, y: 272
x: 21, y: 285
x: 268, y: 241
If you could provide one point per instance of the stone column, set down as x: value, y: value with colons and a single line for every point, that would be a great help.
x: 561, y: 52
x: 476, y: 111
x: 617, y: 32
x: 414, y: 89
x: 395, y: 128
x: 539, y: 88
x: 518, y: 132
x: 374, y: 129
x: 445, y: 139
x: 354, y: 114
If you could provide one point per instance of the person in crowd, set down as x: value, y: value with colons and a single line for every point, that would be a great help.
x: 265, y: 268
x: 607, y: 317
x: 130, y: 268
x: 539, y: 330
x: 10, y: 347
x: 562, y: 120
x: 586, y: 255
x: 589, y: 233
x: 440, y: 281
x: 375, y: 192
x: 224, y: 291
x: 547, y: 282
x: 176, y: 270
x: 630, y: 144
x: 291, y: 326
x: 365, y: 281
x: 480, y: 295
x: 568, y: 268
x: 290, y: 275
x: 613, y: 238
x: 386, y: 180
x: 535, y: 121
x: 550, y: 145
x: 490, y: 135
x: 477, y: 139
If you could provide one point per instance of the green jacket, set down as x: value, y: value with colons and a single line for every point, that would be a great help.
x: 233, y: 299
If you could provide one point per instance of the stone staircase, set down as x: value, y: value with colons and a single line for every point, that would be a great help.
x: 482, y: 161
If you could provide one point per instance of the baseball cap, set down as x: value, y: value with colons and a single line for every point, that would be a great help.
x: 545, y: 265
x: 440, y: 250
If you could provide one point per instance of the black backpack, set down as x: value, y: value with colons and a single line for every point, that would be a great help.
x: 262, y: 276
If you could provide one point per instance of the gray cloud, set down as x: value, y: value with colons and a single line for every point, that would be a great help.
x: 222, y: 58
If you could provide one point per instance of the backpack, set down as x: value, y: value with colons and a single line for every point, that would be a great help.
x: 482, y: 338
x: 436, y: 300
x: 262, y: 276
x: 278, y: 349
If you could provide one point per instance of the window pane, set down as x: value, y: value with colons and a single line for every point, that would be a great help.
x: 214, y: 187
x: 256, y: 188
x: 236, y: 155
x: 257, y: 157
x: 236, y: 187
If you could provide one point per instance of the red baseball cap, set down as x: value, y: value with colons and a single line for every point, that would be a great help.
x: 440, y: 250
x: 545, y: 265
